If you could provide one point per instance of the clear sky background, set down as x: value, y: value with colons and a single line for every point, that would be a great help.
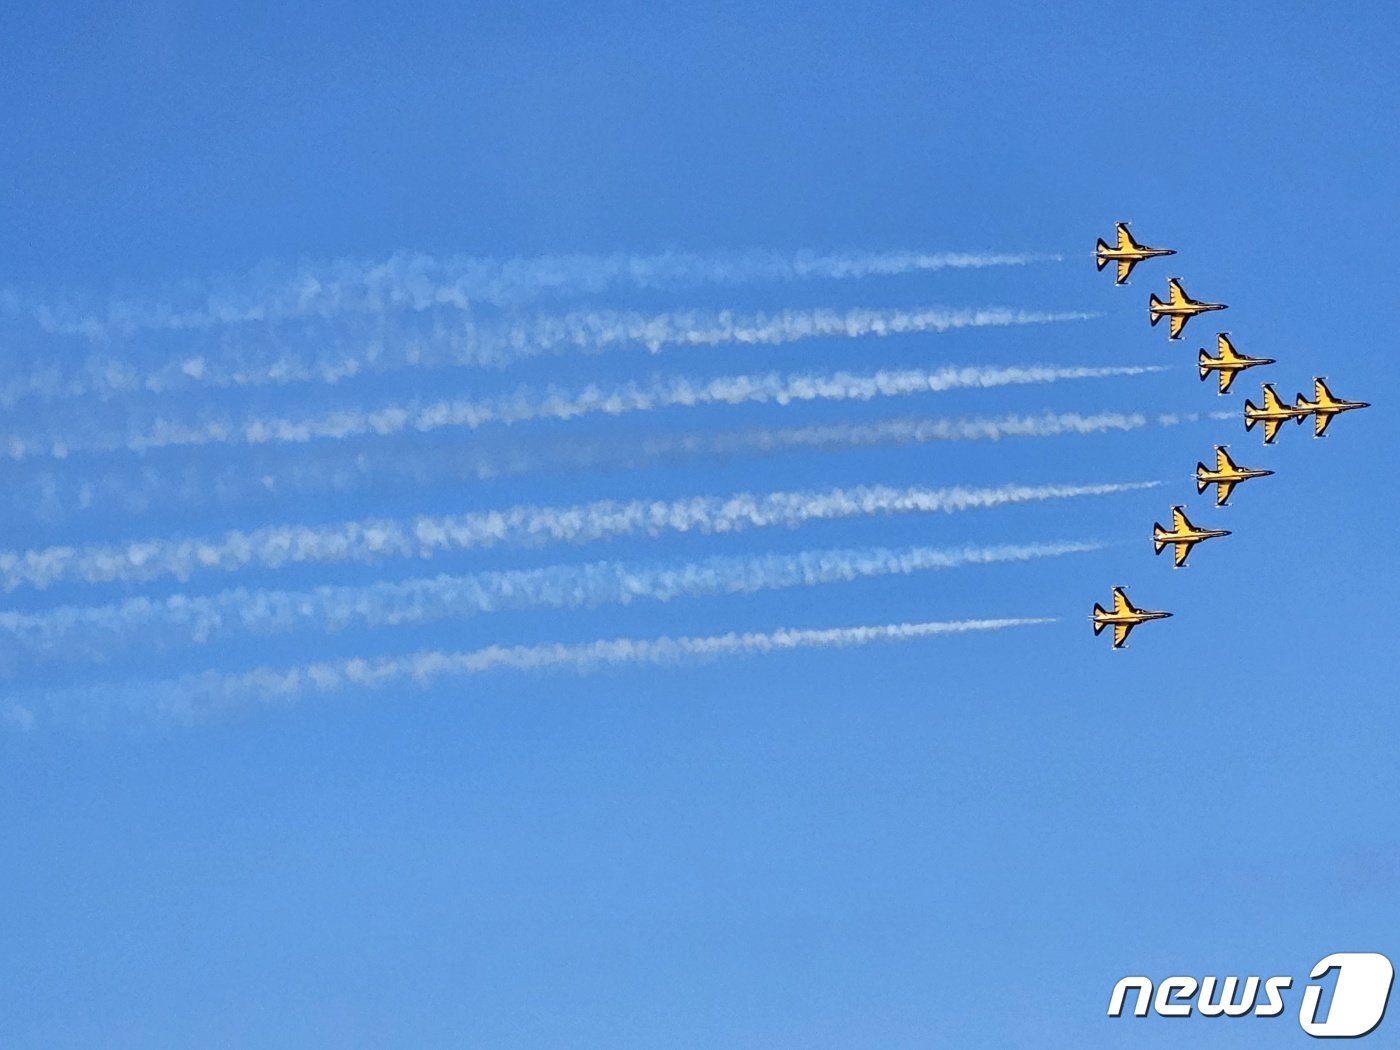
x: 960, y: 841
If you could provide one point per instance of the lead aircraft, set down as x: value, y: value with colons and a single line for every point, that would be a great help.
x: 1324, y: 407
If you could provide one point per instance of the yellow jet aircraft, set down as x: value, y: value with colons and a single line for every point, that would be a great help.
x: 1273, y: 415
x: 1179, y: 307
x: 1123, y: 618
x: 1229, y: 363
x: 1128, y: 253
x: 1225, y: 476
x: 1183, y: 536
x: 1324, y: 407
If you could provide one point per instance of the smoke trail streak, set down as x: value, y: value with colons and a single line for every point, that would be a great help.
x: 527, y: 406
x: 94, y: 632
x: 192, y: 697
x: 466, y: 344
x: 269, y: 479
x: 424, y: 668
x: 886, y: 433
x: 415, y: 283
x: 374, y: 540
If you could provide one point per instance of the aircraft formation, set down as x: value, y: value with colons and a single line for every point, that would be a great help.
x: 1227, y: 363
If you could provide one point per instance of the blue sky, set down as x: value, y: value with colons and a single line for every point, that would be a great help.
x: 955, y: 841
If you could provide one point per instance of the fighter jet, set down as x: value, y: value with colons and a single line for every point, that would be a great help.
x: 1324, y: 407
x: 1179, y: 307
x: 1124, y: 617
x: 1128, y: 253
x: 1183, y: 536
x: 1273, y: 415
x: 1229, y: 364
x: 1225, y: 476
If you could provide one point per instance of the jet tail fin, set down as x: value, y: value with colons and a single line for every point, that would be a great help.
x: 1249, y: 409
x: 1201, y: 483
x: 1159, y: 539
x: 1154, y: 305
x: 1099, y: 625
x: 1203, y: 359
x: 1099, y: 250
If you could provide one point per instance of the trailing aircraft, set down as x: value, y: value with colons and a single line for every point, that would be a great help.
x: 1127, y: 254
x: 1229, y: 362
x: 1123, y: 617
x: 1183, y: 536
x: 1225, y: 476
x: 1324, y: 407
x: 1273, y: 415
x: 1179, y: 307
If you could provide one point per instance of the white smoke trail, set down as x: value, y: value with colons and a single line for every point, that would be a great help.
x: 375, y: 540
x: 415, y: 283
x: 193, y: 697
x: 424, y: 668
x: 769, y: 441
x: 95, y: 632
x: 553, y: 404
x: 498, y: 345
x: 271, y: 480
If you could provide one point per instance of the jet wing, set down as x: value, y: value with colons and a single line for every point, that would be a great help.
x: 1121, y: 605
x: 1177, y: 293
x: 1177, y: 322
x: 1222, y: 492
x: 1271, y: 429
x: 1183, y: 548
x: 1321, y: 420
x: 1125, y: 239
x: 1120, y: 633
x: 1227, y: 377
x: 1222, y: 460
x: 1179, y: 522
x: 1125, y: 267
